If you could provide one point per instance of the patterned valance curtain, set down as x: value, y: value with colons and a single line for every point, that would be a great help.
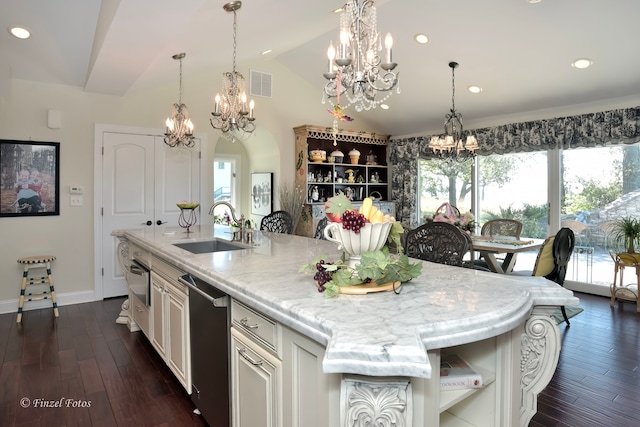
x: 621, y: 126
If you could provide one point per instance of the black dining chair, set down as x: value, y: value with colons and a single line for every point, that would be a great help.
x: 322, y: 224
x: 502, y: 227
x: 499, y: 227
x: 563, y: 245
x: 277, y: 222
x: 438, y: 242
x: 553, y: 259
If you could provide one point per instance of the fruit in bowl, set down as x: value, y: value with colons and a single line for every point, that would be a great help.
x: 359, y: 230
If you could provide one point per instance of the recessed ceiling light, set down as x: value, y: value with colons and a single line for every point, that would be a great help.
x: 533, y: 1
x: 20, y: 32
x: 384, y: 106
x: 474, y: 89
x: 582, y: 63
x: 421, y: 38
x: 266, y: 52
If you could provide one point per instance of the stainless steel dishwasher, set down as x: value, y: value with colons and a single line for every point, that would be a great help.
x: 209, y: 323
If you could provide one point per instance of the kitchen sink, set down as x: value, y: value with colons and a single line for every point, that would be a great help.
x: 208, y: 246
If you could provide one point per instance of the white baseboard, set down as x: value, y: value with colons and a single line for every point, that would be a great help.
x: 588, y: 288
x: 11, y: 306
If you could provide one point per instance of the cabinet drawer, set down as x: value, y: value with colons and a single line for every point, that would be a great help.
x: 139, y: 313
x: 137, y: 253
x: 256, y: 325
x: 168, y: 272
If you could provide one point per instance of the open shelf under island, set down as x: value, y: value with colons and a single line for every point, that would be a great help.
x: 355, y: 349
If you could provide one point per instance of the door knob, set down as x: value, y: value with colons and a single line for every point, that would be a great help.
x: 160, y: 222
x: 149, y: 222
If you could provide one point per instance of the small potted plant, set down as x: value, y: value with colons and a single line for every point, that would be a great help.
x: 626, y: 231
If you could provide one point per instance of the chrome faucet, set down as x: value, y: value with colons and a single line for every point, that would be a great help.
x: 233, y: 215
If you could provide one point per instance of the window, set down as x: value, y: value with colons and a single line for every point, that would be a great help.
x: 225, y: 181
x: 514, y: 186
x: 443, y: 181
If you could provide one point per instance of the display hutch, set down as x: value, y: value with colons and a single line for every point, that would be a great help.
x: 324, y: 176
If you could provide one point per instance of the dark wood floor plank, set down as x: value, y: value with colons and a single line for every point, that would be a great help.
x: 91, y: 378
x: 9, y: 381
x: 101, y: 412
x: 85, y: 356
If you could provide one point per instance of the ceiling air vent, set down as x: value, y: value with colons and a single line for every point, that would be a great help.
x: 260, y: 84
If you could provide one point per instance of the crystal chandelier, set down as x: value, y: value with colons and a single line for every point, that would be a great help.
x: 231, y: 114
x: 451, y: 145
x: 179, y: 126
x: 356, y: 70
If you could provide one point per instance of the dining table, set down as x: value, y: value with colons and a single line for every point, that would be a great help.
x: 490, y: 246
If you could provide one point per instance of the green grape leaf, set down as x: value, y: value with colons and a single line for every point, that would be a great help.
x: 394, y: 235
x: 337, y: 205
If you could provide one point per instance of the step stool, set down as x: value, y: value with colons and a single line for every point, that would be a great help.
x: 35, y: 262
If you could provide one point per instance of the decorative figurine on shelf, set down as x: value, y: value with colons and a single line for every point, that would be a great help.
x: 329, y: 177
x: 351, y: 177
x: 315, y: 195
x: 372, y: 159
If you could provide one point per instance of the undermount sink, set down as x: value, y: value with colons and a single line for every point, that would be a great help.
x: 208, y: 246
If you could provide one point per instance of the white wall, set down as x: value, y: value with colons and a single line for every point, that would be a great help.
x: 69, y: 236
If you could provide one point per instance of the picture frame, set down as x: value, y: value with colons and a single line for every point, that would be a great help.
x: 261, y: 193
x: 29, y: 178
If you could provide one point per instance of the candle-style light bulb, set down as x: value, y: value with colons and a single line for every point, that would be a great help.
x: 331, y: 54
x: 251, y: 106
x: 217, y: 99
x: 344, y: 40
x: 388, y: 44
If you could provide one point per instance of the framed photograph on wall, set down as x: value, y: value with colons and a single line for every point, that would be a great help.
x: 261, y: 193
x: 29, y: 178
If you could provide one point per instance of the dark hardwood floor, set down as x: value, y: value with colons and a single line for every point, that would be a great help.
x: 87, y: 358
x: 597, y: 382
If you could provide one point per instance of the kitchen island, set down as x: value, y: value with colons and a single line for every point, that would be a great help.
x: 381, y: 351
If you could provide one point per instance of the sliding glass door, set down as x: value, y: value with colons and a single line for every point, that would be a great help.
x: 515, y: 186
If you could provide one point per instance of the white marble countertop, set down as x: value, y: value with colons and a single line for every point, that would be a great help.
x: 381, y: 334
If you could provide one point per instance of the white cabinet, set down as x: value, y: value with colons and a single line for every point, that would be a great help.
x: 311, y: 397
x: 256, y: 369
x: 256, y: 383
x: 170, y: 326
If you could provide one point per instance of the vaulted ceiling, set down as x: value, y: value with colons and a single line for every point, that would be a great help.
x: 519, y: 52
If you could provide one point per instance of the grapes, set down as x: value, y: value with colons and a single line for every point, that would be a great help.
x: 353, y: 220
x: 322, y: 276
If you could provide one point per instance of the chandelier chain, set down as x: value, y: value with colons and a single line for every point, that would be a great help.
x: 235, y: 43
x: 453, y: 89
x: 180, y: 85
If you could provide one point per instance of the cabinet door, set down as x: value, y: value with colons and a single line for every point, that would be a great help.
x: 310, y: 396
x: 256, y: 384
x: 158, y: 314
x: 178, y: 332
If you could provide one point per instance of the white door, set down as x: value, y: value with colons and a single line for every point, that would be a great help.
x: 142, y: 180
